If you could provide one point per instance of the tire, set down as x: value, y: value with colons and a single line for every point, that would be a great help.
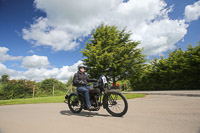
x: 74, y: 103
x: 112, y: 102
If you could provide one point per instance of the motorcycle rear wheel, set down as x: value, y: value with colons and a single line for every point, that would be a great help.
x: 74, y: 103
x: 117, y: 104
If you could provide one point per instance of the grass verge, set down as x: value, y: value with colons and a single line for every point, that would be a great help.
x: 51, y: 99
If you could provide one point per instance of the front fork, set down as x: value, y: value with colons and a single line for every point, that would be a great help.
x: 105, y: 100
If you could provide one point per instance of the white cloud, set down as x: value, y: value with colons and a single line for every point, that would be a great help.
x: 35, y: 61
x: 62, y: 74
x: 164, y: 34
x: 10, y: 72
x: 41, y: 33
x: 30, y: 51
x: 68, y: 71
x: 39, y: 74
x: 3, y: 69
x: 192, y: 12
x: 67, y: 22
x: 5, y: 57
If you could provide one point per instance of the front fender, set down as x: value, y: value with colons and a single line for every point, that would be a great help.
x: 105, y: 97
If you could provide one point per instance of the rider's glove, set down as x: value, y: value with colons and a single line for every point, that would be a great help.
x: 82, y: 82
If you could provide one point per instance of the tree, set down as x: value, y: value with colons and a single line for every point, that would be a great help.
x: 180, y: 70
x: 17, y: 89
x: 111, y: 52
x: 4, y: 78
x: 46, y: 86
x: 69, y: 82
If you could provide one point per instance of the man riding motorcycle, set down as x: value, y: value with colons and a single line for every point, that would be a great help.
x: 80, y: 81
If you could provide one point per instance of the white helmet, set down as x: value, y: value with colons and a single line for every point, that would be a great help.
x: 80, y: 66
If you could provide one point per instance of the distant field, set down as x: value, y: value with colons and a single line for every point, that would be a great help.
x: 51, y: 99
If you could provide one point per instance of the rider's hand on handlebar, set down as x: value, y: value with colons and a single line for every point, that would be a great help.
x: 82, y: 82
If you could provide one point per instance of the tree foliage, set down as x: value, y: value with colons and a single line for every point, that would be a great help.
x: 180, y: 70
x: 110, y: 52
x: 69, y: 82
x: 4, y: 78
x: 46, y: 86
x: 17, y: 89
x: 24, y: 88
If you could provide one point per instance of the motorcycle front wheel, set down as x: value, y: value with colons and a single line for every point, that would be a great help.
x: 74, y: 103
x: 117, y: 104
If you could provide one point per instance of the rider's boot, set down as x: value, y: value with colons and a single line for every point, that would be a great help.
x: 91, y: 108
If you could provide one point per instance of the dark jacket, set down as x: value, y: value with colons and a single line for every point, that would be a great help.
x: 81, y: 79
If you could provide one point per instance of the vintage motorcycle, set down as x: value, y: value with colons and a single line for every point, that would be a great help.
x: 100, y: 95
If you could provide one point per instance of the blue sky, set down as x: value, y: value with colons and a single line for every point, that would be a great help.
x: 43, y: 38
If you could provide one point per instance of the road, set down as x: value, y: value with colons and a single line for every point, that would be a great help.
x: 152, y: 114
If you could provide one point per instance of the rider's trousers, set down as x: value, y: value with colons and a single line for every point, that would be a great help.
x: 86, y: 93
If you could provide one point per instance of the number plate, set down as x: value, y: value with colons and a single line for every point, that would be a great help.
x: 104, y: 79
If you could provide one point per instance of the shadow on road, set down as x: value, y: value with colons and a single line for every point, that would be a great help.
x: 85, y: 114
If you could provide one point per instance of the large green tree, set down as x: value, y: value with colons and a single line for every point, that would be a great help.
x: 112, y: 53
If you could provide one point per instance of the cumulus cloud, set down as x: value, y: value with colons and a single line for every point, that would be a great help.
x: 10, y: 72
x: 37, y: 68
x: 68, y: 71
x: 67, y: 22
x: 39, y: 74
x: 35, y: 61
x: 41, y: 33
x: 164, y: 34
x: 5, y: 57
x: 62, y: 74
x: 192, y: 12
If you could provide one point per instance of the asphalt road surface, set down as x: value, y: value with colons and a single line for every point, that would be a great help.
x: 152, y: 114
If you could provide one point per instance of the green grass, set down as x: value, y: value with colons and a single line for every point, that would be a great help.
x: 51, y: 99
x: 129, y: 96
x: 132, y: 95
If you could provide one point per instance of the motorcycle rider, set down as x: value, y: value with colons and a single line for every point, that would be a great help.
x: 80, y: 81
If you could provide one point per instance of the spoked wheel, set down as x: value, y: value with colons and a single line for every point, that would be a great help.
x: 74, y: 103
x: 117, y: 104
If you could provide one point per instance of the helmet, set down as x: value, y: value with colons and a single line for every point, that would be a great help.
x: 81, y: 65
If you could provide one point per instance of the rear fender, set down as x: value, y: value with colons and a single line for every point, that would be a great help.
x: 73, y: 93
x: 67, y: 96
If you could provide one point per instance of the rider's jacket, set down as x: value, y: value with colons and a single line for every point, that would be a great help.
x: 81, y: 79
